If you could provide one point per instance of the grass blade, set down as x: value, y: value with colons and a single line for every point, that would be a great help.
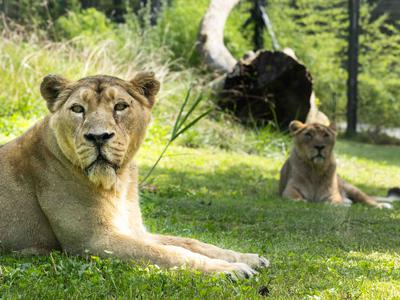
x: 177, y: 130
x: 193, y: 122
x: 192, y: 108
x: 155, y: 164
x: 176, y: 125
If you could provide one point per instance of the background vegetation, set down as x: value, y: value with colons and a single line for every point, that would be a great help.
x: 315, y: 29
x: 222, y: 189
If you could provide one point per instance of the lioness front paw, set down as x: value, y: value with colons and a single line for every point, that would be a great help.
x: 240, y: 271
x: 384, y: 205
x: 233, y: 270
x: 254, y: 260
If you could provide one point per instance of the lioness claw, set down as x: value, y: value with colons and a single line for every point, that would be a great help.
x: 384, y: 205
x: 240, y: 271
x: 254, y: 260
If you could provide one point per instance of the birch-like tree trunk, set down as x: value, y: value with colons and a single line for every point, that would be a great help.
x: 211, y: 36
x: 262, y: 87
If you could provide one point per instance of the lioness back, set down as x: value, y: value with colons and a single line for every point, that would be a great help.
x: 22, y: 222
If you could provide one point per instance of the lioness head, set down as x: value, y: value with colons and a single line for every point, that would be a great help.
x: 100, y: 121
x: 313, y: 142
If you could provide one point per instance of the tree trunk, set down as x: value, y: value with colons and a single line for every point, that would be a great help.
x: 354, y: 10
x: 269, y: 87
x: 263, y: 87
x: 211, y: 36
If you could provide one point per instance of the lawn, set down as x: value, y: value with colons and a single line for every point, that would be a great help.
x: 230, y: 199
x: 218, y: 182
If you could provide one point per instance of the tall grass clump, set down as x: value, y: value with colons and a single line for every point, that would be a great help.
x: 82, y: 49
x: 26, y: 57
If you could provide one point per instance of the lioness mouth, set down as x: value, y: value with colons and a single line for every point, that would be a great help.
x: 100, y: 160
x: 318, y: 158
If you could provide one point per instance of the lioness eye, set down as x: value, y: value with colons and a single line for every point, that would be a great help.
x: 78, y: 109
x: 308, y: 135
x: 121, y: 106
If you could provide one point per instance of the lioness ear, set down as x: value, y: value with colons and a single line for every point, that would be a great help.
x: 295, y: 125
x: 333, y: 126
x: 147, y: 84
x: 50, y: 88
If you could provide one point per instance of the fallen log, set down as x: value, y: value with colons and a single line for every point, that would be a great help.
x: 263, y: 87
x: 269, y: 86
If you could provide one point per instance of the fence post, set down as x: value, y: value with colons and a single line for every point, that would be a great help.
x: 354, y: 12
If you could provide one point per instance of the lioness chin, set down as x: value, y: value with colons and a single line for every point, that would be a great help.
x: 310, y: 171
x: 70, y: 183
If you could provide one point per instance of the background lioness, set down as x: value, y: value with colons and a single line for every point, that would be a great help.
x: 70, y: 183
x: 310, y: 171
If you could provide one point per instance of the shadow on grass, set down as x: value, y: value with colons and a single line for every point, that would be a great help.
x: 242, y: 202
x: 313, y: 247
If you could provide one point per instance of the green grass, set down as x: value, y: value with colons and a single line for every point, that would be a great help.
x: 229, y: 199
x: 218, y: 183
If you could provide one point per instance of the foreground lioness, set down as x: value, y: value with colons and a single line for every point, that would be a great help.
x: 310, y: 171
x: 70, y: 183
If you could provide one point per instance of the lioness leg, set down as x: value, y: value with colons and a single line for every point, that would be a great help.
x: 128, y: 248
x: 33, y: 251
x: 356, y: 195
x: 290, y: 192
x: 336, y: 198
x: 253, y: 260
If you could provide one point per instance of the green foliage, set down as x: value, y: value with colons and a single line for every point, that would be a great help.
x: 123, y: 52
x: 318, y: 30
x: 315, y: 29
x: 379, y: 82
x: 236, y: 38
x: 37, y: 14
x: 88, y: 22
x: 178, y: 29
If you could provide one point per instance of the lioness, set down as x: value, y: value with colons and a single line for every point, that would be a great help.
x: 310, y: 171
x: 70, y: 183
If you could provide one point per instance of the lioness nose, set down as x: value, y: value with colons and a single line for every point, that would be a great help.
x: 320, y: 147
x: 99, y: 139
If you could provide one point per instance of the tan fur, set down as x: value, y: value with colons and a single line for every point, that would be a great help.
x: 310, y: 173
x: 59, y: 189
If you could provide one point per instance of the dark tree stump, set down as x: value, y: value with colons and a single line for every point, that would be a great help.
x: 268, y: 87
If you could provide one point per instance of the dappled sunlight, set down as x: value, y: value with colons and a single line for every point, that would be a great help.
x: 121, y: 219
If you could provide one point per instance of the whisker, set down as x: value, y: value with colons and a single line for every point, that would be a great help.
x: 115, y: 147
x: 117, y: 152
x: 83, y: 151
x: 87, y: 158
